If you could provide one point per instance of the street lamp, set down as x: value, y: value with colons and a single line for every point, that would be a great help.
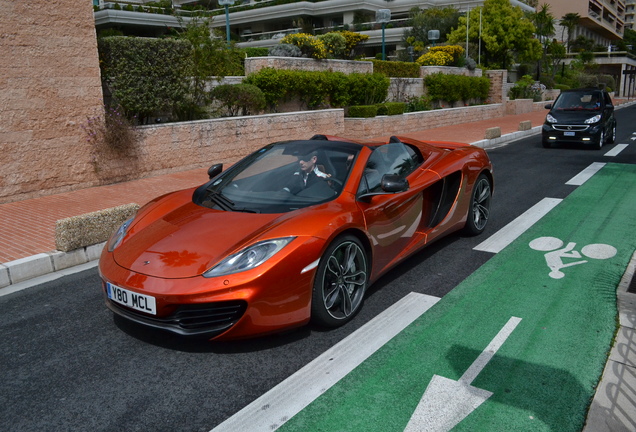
x: 227, y: 4
x: 383, y: 16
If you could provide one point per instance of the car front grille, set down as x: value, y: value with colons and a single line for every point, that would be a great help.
x: 572, y: 128
x: 205, y: 320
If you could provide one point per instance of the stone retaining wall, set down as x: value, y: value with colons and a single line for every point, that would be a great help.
x: 254, y: 64
x: 417, y: 121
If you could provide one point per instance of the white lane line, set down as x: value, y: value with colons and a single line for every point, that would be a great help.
x: 586, y: 174
x: 514, y: 229
x: 616, y: 150
x: 277, y: 406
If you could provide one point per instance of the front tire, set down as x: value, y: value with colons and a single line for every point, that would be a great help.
x: 601, y: 140
x: 340, y: 282
x: 479, y: 210
x: 612, y: 137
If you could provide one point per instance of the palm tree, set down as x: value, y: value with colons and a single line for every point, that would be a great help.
x: 569, y: 21
x: 543, y: 21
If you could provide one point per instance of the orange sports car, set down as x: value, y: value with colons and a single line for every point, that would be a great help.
x: 292, y: 233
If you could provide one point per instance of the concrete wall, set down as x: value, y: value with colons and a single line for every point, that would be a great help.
x: 50, y: 83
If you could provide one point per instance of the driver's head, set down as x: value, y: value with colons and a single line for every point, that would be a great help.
x: 308, y: 162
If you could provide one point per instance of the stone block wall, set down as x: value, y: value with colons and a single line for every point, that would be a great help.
x: 449, y: 70
x: 498, y: 79
x: 417, y: 121
x: 173, y: 147
x: 254, y: 64
x: 50, y: 83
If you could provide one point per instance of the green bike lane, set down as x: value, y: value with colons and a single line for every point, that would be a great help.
x: 519, y: 345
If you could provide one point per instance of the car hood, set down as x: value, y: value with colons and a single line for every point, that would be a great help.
x: 573, y: 117
x: 190, y: 240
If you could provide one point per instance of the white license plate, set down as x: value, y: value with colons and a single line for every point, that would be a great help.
x: 140, y: 302
x: 568, y: 134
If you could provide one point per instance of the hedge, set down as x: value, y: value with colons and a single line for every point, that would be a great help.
x: 396, y: 69
x: 391, y: 108
x: 362, y: 111
x: 146, y: 76
x: 319, y: 88
x: 453, y: 88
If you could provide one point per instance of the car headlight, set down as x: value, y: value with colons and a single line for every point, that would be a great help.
x: 248, y: 258
x: 550, y: 119
x: 119, y: 235
x: 595, y: 119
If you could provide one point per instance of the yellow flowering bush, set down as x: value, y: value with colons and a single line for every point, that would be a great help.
x: 352, y: 40
x: 310, y: 45
x: 438, y: 58
x: 444, y: 55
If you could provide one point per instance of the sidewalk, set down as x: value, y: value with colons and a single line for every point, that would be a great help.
x: 27, y: 248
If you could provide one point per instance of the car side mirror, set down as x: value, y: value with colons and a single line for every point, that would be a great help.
x: 548, y: 106
x: 393, y: 183
x: 215, y: 170
x: 390, y: 184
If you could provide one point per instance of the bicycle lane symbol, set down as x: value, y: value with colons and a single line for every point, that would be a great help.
x: 556, y: 253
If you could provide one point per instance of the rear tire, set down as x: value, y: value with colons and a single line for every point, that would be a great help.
x: 340, y: 282
x: 479, y: 210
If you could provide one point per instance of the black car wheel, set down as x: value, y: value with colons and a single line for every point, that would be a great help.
x: 340, y: 282
x: 612, y: 137
x: 601, y: 140
x: 479, y: 211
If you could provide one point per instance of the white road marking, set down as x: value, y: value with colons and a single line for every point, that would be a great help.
x: 616, y: 150
x: 586, y: 174
x: 502, y: 238
x: 446, y: 402
x: 277, y: 406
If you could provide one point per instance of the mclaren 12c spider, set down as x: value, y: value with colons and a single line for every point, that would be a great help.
x: 293, y: 233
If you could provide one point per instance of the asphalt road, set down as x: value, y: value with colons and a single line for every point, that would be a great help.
x: 69, y: 365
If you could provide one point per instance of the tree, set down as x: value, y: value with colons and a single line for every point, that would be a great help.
x: 505, y: 32
x: 569, y: 21
x: 543, y: 22
x: 421, y: 21
x: 210, y: 57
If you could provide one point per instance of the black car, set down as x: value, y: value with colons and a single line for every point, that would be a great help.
x: 584, y: 116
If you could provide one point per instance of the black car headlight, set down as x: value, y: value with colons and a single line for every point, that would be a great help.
x: 248, y: 258
x: 595, y: 119
x: 550, y: 119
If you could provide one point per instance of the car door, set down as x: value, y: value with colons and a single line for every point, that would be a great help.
x: 392, y: 219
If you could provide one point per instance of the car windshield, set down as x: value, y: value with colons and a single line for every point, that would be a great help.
x: 578, y: 101
x: 283, y: 177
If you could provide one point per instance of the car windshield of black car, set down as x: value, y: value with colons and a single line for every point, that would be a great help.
x: 578, y: 101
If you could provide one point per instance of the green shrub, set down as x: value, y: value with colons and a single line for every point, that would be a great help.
x: 362, y: 111
x: 146, y: 76
x: 453, y: 88
x: 391, y: 108
x: 562, y: 87
x: 335, y: 43
x: 415, y: 104
x: 319, y: 88
x: 239, y: 99
x: 256, y: 52
x: 395, y: 69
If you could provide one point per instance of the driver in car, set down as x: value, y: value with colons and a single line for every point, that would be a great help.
x: 308, y: 174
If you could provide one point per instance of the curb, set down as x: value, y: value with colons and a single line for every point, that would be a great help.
x: 24, y: 269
